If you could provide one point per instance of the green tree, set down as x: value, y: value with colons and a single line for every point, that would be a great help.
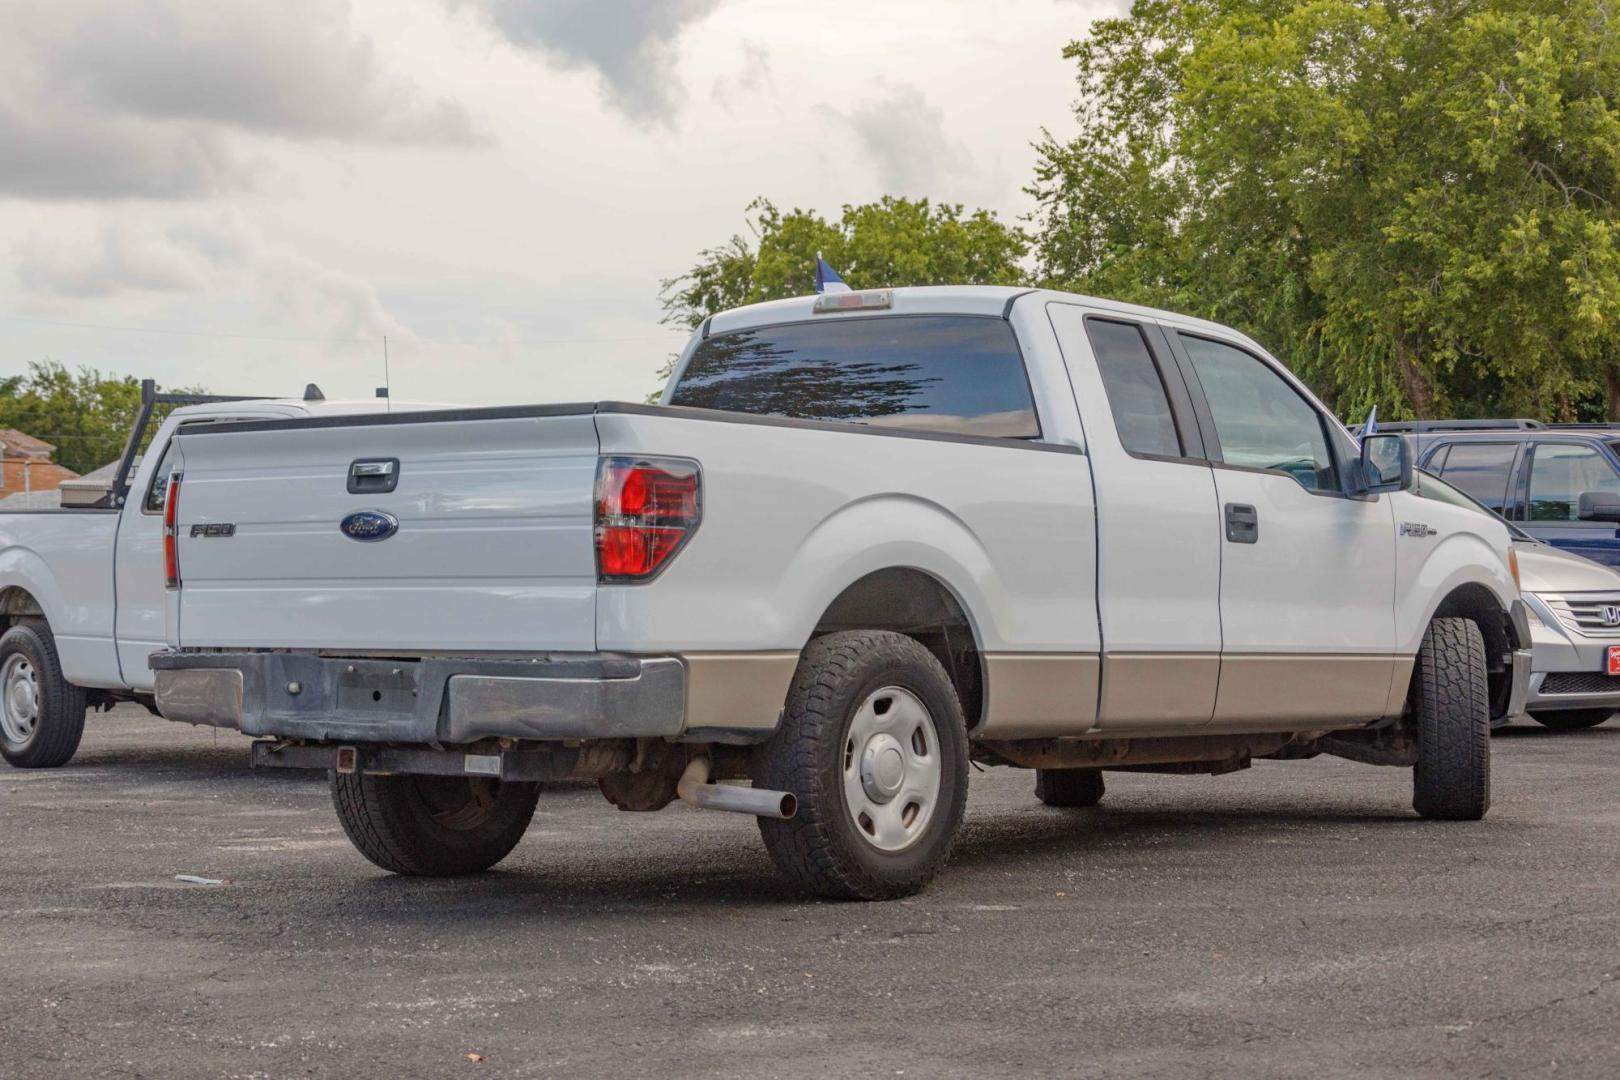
x: 891, y: 242
x: 1413, y: 203
x: 85, y: 414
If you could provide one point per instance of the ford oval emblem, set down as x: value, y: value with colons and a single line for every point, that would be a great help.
x: 369, y: 525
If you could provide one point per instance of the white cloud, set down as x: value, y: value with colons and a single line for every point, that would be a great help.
x: 748, y: 83
x: 216, y: 261
x: 904, y: 136
x: 107, y: 98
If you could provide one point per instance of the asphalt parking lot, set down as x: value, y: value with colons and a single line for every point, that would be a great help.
x: 1291, y: 920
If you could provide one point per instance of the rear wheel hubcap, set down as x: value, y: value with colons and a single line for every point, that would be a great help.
x: 19, y: 699
x: 892, y: 768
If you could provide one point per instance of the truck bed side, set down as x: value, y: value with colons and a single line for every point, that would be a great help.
x: 60, y: 564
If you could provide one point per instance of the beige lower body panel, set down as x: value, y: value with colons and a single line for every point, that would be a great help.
x: 1158, y: 690
x: 1399, y: 685
x: 1039, y: 695
x: 1056, y: 695
x: 1285, y: 690
x: 737, y: 691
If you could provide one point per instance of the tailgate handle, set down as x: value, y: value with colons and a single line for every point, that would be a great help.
x: 369, y: 476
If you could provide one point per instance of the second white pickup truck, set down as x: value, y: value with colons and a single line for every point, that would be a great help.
x: 865, y: 540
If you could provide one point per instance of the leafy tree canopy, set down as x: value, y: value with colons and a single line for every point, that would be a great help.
x: 891, y: 242
x: 86, y: 414
x: 1412, y: 201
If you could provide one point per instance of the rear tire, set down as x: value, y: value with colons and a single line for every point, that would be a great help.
x: 1452, y: 780
x: 41, y: 713
x: 1069, y: 788
x: 1571, y: 719
x: 433, y: 826
x: 873, y: 746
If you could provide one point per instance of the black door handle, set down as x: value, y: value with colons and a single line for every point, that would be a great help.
x: 1242, y: 523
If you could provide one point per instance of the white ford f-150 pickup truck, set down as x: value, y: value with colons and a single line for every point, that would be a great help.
x: 863, y: 540
x: 81, y: 586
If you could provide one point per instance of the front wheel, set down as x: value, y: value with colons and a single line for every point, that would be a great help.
x: 1452, y: 780
x: 1571, y: 719
x: 41, y: 713
x: 433, y: 826
x: 873, y: 745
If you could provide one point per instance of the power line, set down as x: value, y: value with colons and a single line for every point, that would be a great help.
x: 294, y: 339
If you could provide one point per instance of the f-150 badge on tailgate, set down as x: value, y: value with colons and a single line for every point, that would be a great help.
x: 369, y: 525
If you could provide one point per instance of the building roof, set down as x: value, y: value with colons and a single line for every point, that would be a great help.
x: 18, y: 444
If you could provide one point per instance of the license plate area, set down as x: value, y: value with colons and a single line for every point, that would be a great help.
x: 381, y: 687
x: 1614, y: 660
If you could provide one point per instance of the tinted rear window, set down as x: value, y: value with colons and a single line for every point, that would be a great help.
x: 947, y: 373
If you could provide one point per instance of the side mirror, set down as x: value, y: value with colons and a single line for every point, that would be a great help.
x: 1386, y: 464
x: 1599, y: 506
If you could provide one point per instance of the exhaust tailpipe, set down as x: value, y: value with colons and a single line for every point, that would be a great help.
x: 694, y: 788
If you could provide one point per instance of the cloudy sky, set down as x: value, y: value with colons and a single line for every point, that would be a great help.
x: 252, y: 194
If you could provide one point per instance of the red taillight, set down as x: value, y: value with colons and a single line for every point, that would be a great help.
x: 171, y: 538
x: 645, y: 510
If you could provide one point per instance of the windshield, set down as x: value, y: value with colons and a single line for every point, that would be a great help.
x: 1430, y: 486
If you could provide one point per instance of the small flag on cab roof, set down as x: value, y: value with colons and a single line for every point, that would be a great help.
x: 827, y: 279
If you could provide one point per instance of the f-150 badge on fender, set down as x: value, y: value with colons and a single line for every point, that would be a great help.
x: 369, y: 525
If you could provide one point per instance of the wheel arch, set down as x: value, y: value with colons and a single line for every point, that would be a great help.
x: 17, y: 602
x: 921, y: 605
x: 1480, y: 605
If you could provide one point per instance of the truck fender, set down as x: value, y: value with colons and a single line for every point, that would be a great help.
x: 918, y: 535
x: 1458, y: 560
x: 21, y: 568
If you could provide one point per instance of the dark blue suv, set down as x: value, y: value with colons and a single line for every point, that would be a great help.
x: 1560, y: 483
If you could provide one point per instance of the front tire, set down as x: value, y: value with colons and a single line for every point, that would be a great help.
x: 1571, y: 719
x: 1452, y: 780
x: 873, y: 745
x: 41, y: 713
x: 433, y: 826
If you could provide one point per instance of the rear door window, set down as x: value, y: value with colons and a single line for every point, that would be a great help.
x: 1135, y: 388
x: 952, y: 374
x: 1559, y: 472
x: 1481, y: 469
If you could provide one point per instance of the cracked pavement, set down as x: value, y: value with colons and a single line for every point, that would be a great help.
x: 1292, y: 919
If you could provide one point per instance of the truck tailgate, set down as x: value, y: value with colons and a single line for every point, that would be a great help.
x: 492, y: 549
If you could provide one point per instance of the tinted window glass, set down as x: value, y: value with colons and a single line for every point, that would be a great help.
x: 158, y: 493
x: 1559, y: 473
x: 947, y: 373
x: 1481, y: 470
x: 1135, y: 389
x: 1261, y: 420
